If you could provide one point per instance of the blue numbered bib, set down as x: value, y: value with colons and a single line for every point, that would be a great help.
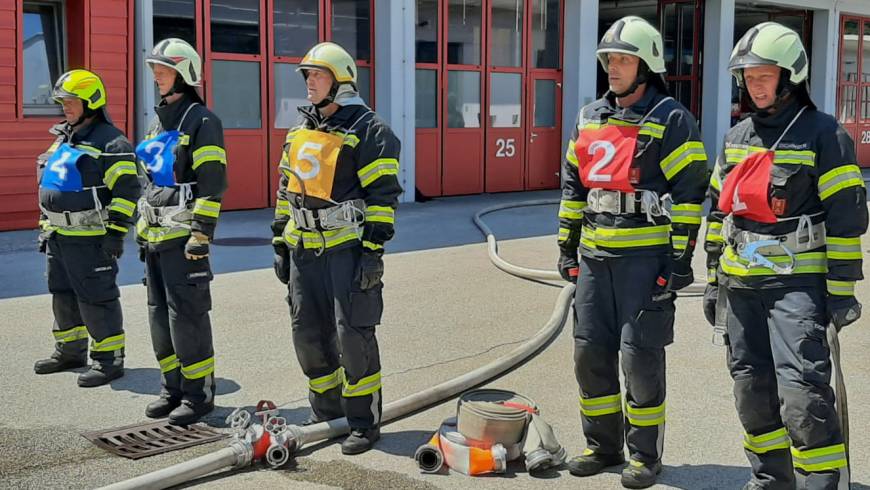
x: 61, y: 172
x: 158, y: 154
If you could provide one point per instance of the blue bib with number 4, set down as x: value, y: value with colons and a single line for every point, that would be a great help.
x: 61, y: 172
x: 158, y: 154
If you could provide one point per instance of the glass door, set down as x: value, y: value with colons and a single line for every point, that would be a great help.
x: 681, y: 27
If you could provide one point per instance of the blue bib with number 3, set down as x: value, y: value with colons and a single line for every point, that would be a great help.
x: 61, y: 172
x: 158, y: 154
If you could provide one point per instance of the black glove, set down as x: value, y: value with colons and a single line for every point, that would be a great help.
x: 196, y: 247
x: 42, y: 242
x: 681, y: 274
x: 711, y: 297
x: 371, y: 269
x: 143, y: 249
x: 843, y: 310
x: 569, y: 268
x: 113, y: 244
x: 281, y: 262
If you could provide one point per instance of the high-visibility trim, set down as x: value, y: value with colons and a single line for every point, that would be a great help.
x: 372, y: 245
x: 657, y: 131
x: 711, y: 276
x: 570, y: 155
x: 68, y: 232
x: 841, y: 288
x: 838, y: 179
x: 325, y: 383
x: 377, y: 169
x: 123, y: 167
x: 183, y: 140
x: 204, y: 207
x: 168, y: 364
x: 681, y: 157
x: 602, y: 405
x: 209, y: 153
x: 380, y: 214
x: 822, y: 459
x: 108, y: 344
x: 680, y: 242
x: 156, y: 234
x: 689, y: 214
x: 277, y: 240
x: 564, y: 233
x: 350, y: 140
x: 118, y: 228
x: 645, y: 417
x: 571, y: 209
x: 198, y: 370
x: 92, y: 152
x: 844, y: 248
x: 715, y: 177
x: 291, y: 135
x: 123, y: 206
x: 714, y: 232
x: 71, y: 334
x: 644, y: 236
x: 795, y: 157
x: 312, y: 239
x: 805, y: 263
x: 282, y: 208
x: 365, y: 386
x: 770, y: 441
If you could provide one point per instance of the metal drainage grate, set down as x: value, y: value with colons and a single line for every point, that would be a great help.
x: 143, y: 440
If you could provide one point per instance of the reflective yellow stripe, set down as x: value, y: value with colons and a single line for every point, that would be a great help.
x: 365, y: 386
x: 571, y: 209
x: 350, y: 140
x: 564, y: 233
x: 795, y: 157
x: 312, y: 240
x: 682, y: 156
x: 290, y: 136
x: 805, y: 263
x: 821, y: 459
x: 204, y: 207
x: 325, y: 383
x: 184, y: 140
x: 714, y: 232
x: 838, y: 179
x: 108, y: 344
x: 655, y: 130
x: 680, y: 242
x: 715, y: 177
x: 198, y: 370
x: 156, y: 234
x: 114, y: 172
x: 844, y: 248
x: 371, y: 245
x: 122, y: 229
x: 122, y: 206
x: 570, y: 155
x: 68, y: 232
x: 282, y: 208
x: 645, y: 417
x: 90, y: 150
x: 168, y: 363
x: 645, y: 236
x: 71, y: 334
x: 209, y: 153
x: 380, y: 214
x: 602, y: 405
x: 689, y: 214
x: 377, y: 169
x: 763, y: 443
x: 841, y: 288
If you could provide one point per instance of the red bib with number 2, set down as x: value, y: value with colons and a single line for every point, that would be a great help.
x: 604, y: 157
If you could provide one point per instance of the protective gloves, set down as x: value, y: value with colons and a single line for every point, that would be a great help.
x: 371, y: 269
x: 569, y: 268
x: 281, y: 262
x: 196, y: 247
x: 711, y: 297
x: 113, y: 244
x: 843, y: 310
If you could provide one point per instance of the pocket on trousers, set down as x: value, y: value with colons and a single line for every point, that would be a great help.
x: 99, y: 284
x: 814, y: 354
x: 366, y: 307
x: 193, y: 297
x: 655, y: 324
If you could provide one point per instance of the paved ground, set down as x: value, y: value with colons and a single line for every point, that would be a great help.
x: 448, y: 311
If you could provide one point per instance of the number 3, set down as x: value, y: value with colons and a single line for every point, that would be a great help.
x: 609, y: 153
x: 155, y: 149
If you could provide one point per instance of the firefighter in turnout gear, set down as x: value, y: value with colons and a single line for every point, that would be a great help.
x: 784, y: 253
x: 87, y: 195
x: 337, y: 197
x: 184, y: 162
x: 633, y: 183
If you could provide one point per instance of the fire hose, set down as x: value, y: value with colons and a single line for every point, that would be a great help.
x: 275, y: 442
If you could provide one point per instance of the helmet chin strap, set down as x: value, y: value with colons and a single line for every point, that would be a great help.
x: 330, y: 97
x: 87, y: 113
x: 177, y: 87
x: 641, y: 78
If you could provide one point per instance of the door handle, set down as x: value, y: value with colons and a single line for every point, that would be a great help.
x: 534, y: 135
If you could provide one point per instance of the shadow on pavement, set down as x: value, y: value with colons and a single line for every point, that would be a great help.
x: 146, y: 381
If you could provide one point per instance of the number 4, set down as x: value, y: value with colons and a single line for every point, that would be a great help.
x: 59, y: 166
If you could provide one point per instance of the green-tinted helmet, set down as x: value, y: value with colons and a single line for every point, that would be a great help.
x: 180, y: 56
x: 635, y: 36
x: 333, y: 58
x: 770, y: 43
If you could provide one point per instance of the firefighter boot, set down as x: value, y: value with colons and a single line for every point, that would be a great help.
x: 591, y: 463
x: 640, y: 475
x: 161, y: 407
x: 360, y: 440
x: 189, y: 412
x: 56, y: 363
x: 100, y: 374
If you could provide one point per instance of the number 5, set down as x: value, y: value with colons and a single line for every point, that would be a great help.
x: 315, y: 164
x: 609, y: 153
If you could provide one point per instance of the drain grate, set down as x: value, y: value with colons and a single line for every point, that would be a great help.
x: 143, y: 440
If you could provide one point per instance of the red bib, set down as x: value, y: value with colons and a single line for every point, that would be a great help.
x: 747, y: 189
x: 604, y: 157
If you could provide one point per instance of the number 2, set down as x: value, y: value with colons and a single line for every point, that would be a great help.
x: 505, y: 148
x: 609, y: 153
x: 59, y: 166
x: 865, y: 137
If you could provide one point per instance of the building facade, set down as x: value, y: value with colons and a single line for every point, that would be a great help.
x: 482, y: 93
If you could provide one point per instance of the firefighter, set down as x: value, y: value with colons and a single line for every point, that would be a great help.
x: 87, y: 196
x: 784, y: 253
x: 633, y: 183
x: 337, y: 197
x: 184, y: 161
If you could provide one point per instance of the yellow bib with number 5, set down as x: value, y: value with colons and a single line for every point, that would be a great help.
x: 313, y: 156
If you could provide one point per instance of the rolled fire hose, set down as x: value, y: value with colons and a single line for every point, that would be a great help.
x: 238, y: 454
x: 842, y: 403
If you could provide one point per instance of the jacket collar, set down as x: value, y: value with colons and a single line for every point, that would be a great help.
x: 170, y: 114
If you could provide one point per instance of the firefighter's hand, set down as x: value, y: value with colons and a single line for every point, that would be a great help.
x: 569, y: 268
x: 143, y: 250
x: 681, y: 275
x: 196, y: 247
x: 711, y: 297
x: 281, y: 262
x: 371, y: 269
x: 42, y: 242
x: 113, y: 244
x: 843, y: 310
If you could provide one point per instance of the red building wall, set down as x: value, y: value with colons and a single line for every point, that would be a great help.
x: 100, y: 38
